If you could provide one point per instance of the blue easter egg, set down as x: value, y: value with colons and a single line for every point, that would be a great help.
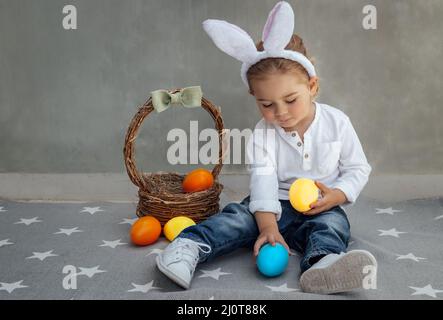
x: 272, y: 260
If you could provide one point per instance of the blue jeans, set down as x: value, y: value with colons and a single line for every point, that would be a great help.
x: 235, y: 227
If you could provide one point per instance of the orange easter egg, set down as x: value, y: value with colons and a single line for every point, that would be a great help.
x: 198, y: 180
x: 145, y: 231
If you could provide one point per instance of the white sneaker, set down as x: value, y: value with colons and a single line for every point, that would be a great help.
x: 179, y: 259
x: 339, y: 272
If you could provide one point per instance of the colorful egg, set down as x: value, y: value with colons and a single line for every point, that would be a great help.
x: 302, y: 193
x: 198, y: 180
x: 145, y: 231
x: 272, y: 260
x: 176, y: 225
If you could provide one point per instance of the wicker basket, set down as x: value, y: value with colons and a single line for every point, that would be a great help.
x: 160, y: 194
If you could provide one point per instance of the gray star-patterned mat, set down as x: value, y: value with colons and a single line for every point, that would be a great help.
x: 83, y: 251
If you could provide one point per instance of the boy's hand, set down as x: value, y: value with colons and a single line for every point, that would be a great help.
x: 330, y: 198
x: 271, y: 235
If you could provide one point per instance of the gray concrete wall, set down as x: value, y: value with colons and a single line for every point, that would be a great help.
x: 67, y: 97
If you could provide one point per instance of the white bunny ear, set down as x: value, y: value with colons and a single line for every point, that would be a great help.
x: 279, y: 27
x: 231, y: 39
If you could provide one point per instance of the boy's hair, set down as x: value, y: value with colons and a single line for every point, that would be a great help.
x: 273, y: 65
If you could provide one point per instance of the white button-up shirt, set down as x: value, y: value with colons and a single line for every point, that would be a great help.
x: 331, y: 153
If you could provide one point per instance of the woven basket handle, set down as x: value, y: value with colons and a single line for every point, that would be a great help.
x: 129, y: 150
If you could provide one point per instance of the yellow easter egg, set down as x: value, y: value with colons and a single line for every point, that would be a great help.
x: 176, y: 225
x: 302, y: 193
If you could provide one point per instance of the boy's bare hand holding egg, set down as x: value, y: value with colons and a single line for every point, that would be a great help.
x: 330, y: 198
x: 269, y: 233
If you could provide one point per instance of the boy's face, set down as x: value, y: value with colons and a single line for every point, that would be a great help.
x: 284, y: 99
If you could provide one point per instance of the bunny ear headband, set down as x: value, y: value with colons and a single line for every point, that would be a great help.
x: 277, y: 33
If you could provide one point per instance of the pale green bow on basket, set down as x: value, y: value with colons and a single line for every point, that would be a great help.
x: 189, y: 97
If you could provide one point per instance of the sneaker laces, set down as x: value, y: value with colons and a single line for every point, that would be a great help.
x: 189, y: 251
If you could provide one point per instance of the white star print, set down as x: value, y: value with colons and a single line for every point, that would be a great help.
x: 282, y: 288
x: 129, y: 221
x: 391, y: 232
x: 12, y: 286
x: 387, y: 210
x: 5, y: 242
x: 42, y: 255
x: 214, y: 274
x: 2, y: 210
x: 439, y: 217
x: 28, y: 221
x: 409, y: 256
x: 68, y: 232
x: 144, y: 288
x: 91, y: 210
x: 90, y: 272
x: 427, y: 290
x: 154, y: 251
x: 112, y: 244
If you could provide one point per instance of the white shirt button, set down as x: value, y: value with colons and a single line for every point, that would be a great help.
x: 294, y: 134
x: 306, y: 156
x: 299, y: 144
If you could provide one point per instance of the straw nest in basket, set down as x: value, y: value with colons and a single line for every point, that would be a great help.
x: 161, y: 194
